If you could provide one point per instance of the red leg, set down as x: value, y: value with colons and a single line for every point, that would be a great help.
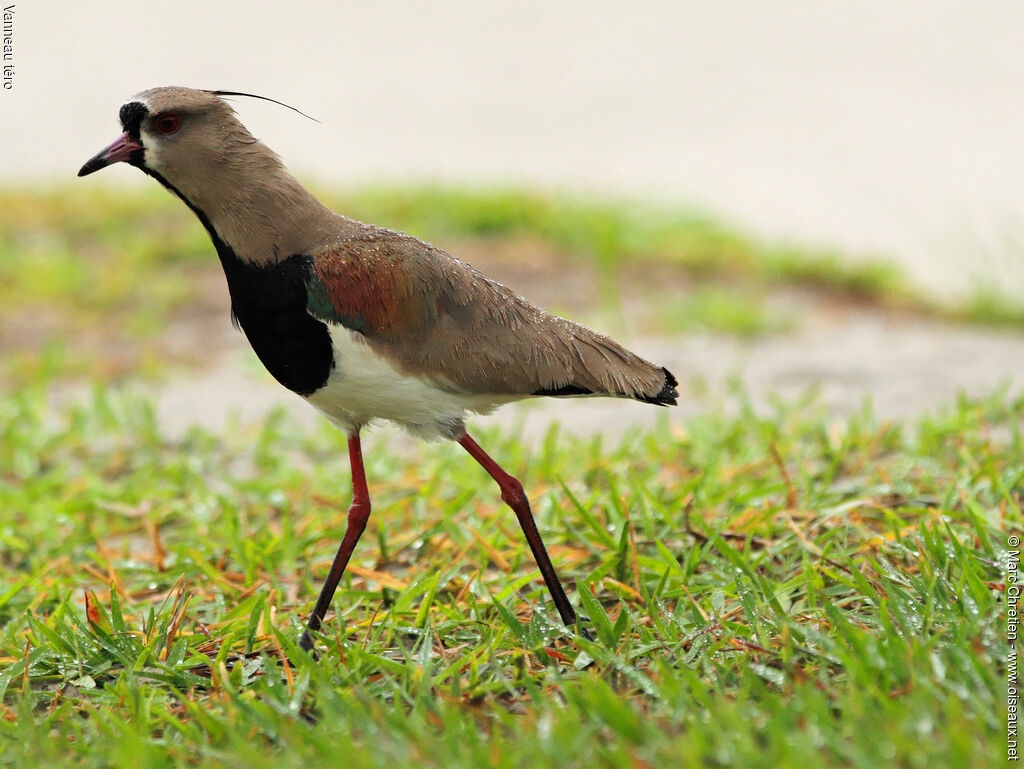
x: 358, y: 514
x: 514, y: 496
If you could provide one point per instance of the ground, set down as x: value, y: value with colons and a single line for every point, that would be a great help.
x: 803, y: 564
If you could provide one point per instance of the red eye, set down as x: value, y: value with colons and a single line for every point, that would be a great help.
x: 167, y: 123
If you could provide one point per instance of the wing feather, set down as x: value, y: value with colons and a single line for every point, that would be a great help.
x: 437, y: 317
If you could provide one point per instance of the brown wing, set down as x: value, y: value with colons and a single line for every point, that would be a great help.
x: 435, y: 316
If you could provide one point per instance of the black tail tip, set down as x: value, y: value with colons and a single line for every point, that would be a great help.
x: 668, y: 395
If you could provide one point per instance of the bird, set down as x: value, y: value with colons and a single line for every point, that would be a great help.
x: 365, y: 323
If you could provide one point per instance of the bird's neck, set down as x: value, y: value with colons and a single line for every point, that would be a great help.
x: 260, y: 213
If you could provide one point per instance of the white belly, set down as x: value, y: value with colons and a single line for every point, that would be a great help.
x: 364, y: 386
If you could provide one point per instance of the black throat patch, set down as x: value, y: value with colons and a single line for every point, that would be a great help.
x: 269, y: 304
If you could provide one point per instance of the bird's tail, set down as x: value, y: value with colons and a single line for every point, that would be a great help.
x: 601, y: 366
x: 668, y: 394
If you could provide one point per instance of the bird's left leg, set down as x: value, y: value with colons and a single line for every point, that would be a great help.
x: 514, y: 496
x: 358, y: 514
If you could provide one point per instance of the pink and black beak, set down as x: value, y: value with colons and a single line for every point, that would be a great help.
x: 123, y: 149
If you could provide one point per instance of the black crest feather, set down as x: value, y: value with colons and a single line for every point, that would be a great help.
x: 264, y: 98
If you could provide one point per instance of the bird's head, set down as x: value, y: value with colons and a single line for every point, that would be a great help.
x: 192, y: 143
x: 173, y: 133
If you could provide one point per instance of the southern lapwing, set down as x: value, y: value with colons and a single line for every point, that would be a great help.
x: 363, y: 322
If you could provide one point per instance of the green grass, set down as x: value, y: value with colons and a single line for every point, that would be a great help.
x: 766, y: 589
x: 741, y: 312
x: 88, y: 248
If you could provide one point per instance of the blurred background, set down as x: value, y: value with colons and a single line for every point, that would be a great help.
x: 846, y: 175
x: 811, y: 212
x: 875, y: 127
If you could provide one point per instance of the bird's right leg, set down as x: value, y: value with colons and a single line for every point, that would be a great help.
x: 358, y: 514
x: 513, y: 495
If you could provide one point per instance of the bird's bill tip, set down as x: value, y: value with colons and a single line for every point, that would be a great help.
x: 120, y: 150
